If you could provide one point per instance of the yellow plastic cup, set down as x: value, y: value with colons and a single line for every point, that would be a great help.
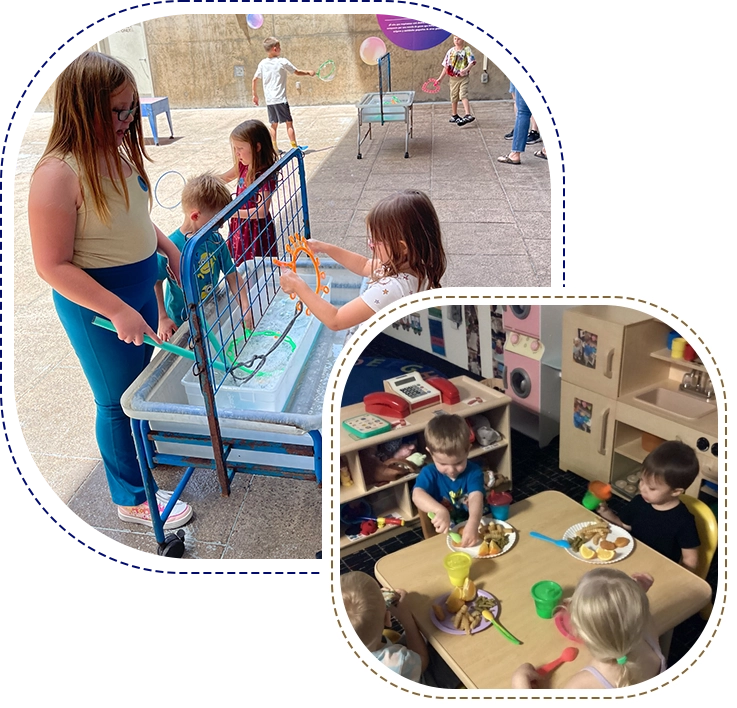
x: 678, y: 346
x: 457, y: 565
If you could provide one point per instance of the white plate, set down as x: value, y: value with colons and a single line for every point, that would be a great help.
x: 615, y: 533
x: 473, y: 551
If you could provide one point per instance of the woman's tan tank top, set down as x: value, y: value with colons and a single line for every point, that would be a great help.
x: 129, y: 238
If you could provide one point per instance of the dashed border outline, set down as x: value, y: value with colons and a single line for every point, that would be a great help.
x: 365, y: 334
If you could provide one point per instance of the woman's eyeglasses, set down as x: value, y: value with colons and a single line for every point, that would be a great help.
x: 126, y: 113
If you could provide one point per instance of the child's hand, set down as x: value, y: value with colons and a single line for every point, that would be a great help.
x: 255, y: 99
x: 644, y: 580
x: 289, y: 281
x: 469, y: 537
x: 400, y: 609
x: 441, y: 520
x: 525, y: 677
x: 167, y: 327
x: 312, y: 72
x: 317, y: 246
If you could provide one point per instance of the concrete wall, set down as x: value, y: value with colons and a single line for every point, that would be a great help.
x: 193, y: 60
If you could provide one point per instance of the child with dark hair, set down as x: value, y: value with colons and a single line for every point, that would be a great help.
x: 657, y: 517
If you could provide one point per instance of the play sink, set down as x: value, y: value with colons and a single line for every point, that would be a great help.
x: 684, y: 404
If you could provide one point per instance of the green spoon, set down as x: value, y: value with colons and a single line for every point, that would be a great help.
x: 456, y: 537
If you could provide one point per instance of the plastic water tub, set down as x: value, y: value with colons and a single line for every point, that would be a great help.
x: 158, y: 397
x: 271, y: 387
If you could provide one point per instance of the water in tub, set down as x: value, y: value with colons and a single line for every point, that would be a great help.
x: 278, y: 315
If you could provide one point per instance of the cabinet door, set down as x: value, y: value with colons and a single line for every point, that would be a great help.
x: 586, y: 432
x: 592, y: 352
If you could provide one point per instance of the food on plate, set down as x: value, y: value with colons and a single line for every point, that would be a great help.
x: 594, y: 529
x: 575, y: 542
x: 607, y: 545
x: 621, y: 542
x: 605, y: 555
x: 494, y: 538
x: 587, y: 553
x: 455, y: 600
x: 468, y: 590
x: 439, y: 613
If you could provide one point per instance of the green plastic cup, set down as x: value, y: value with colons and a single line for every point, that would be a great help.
x: 546, y: 595
x: 457, y: 566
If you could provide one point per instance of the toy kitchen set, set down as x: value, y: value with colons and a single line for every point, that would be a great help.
x: 609, y: 379
x: 517, y: 345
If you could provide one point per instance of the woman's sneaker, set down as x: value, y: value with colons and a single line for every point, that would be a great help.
x: 141, y: 514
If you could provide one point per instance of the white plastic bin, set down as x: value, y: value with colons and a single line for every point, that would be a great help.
x: 272, y: 386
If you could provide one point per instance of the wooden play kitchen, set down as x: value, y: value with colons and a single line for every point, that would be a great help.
x: 394, y: 498
x: 623, y: 392
x: 487, y: 659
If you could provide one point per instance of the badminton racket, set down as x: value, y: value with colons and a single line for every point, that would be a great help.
x: 326, y: 72
x: 431, y: 86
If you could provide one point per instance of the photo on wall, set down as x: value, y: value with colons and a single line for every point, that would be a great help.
x: 582, y: 415
x: 584, y: 348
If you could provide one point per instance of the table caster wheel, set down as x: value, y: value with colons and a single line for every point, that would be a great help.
x: 406, y: 154
x: 173, y: 545
x: 359, y: 156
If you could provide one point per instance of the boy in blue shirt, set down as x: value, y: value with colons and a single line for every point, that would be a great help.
x: 202, y: 198
x: 451, y: 488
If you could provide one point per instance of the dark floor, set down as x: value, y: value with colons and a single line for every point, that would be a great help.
x: 535, y: 470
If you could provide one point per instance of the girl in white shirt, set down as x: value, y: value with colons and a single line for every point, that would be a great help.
x: 407, y: 257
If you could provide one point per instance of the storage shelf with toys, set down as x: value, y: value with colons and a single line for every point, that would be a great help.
x: 375, y: 492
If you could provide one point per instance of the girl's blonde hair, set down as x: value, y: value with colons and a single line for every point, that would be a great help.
x: 407, y: 224
x: 610, y: 612
x: 364, y: 605
x: 83, y: 127
x: 263, y: 152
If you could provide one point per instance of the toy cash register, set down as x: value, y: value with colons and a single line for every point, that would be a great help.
x: 413, y: 389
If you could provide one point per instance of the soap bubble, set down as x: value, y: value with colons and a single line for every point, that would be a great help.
x: 372, y: 49
x: 255, y: 21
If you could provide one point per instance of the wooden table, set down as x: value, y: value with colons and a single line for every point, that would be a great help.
x: 486, y: 659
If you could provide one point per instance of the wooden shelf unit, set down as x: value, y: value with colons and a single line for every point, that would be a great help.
x: 395, y: 497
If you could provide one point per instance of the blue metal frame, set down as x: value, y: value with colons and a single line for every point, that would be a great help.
x: 218, y: 326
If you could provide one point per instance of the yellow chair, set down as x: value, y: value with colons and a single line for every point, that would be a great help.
x: 706, y: 525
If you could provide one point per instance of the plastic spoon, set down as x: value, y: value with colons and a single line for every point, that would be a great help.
x: 455, y: 537
x: 562, y: 544
x: 486, y: 614
x: 569, y: 654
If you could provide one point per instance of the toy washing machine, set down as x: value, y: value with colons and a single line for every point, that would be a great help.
x: 524, y: 319
x: 532, y: 363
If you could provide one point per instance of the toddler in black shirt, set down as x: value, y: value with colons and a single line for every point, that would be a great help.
x: 657, y: 516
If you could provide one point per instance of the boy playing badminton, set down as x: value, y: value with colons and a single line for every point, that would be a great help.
x: 457, y: 65
x: 273, y: 72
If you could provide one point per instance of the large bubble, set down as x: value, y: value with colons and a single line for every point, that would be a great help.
x: 372, y: 49
x: 255, y: 21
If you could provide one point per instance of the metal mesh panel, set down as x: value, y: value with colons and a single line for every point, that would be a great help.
x: 230, y: 281
x: 385, y: 80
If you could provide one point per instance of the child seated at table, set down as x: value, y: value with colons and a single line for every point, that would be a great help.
x: 657, y: 517
x: 610, y: 613
x: 452, y: 487
x: 370, y: 609
x: 369, y: 612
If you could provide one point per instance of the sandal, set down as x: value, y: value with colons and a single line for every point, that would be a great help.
x: 508, y: 160
x: 542, y: 154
